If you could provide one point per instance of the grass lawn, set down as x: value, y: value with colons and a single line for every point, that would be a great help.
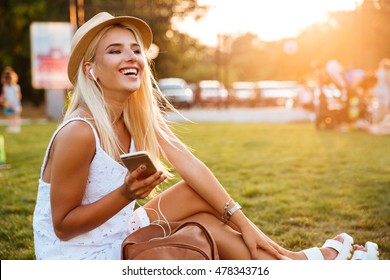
x: 299, y: 185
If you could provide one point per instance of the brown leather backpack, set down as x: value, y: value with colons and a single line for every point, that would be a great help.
x: 183, y: 241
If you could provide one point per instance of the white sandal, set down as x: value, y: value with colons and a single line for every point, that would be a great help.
x: 372, y: 252
x: 344, y: 249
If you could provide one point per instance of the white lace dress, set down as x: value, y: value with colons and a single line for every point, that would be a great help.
x: 103, y: 242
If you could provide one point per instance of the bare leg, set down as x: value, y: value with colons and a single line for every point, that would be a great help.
x: 18, y: 121
x: 11, y: 122
x: 229, y: 242
x: 14, y: 123
x: 180, y: 202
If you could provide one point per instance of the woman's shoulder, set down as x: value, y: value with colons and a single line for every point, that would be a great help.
x: 75, y: 141
x: 76, y: 132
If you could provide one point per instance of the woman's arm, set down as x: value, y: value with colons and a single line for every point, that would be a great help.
x: 200, y: 178
x: 70, y: 158
x: 2, y: 95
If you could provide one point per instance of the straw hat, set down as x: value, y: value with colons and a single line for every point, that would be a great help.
x: 92, y: 27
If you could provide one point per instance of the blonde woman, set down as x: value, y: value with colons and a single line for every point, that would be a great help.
x: 86, y: 196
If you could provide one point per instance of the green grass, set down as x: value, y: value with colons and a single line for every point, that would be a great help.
x: 300, y: 186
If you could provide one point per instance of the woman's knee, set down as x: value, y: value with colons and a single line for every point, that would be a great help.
x: 210, y: 221
x: 180, y: 191
x: 177, y: 203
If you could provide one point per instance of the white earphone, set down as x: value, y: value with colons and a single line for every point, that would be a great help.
x: 92, y: 74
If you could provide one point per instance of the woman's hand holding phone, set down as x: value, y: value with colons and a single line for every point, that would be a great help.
x: 142, y: 177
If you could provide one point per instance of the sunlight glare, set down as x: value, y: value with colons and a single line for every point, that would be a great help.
x: 270, y: 20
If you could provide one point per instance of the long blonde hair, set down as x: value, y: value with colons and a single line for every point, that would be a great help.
x: 142, y: 115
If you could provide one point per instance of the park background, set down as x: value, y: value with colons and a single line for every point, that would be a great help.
x: 357, y: 38
x: 299, y: 185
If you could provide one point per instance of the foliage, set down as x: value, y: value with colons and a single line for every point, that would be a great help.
x: 186, y: 65
x: 299, y: 185
x: 15, y: 19
x: 17, y: 15
x: 358, y: 39
x: 159, y: 15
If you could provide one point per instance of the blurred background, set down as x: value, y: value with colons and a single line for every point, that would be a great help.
x: 224, y: 41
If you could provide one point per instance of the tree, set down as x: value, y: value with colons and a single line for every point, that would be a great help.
x: 17, y: 15
x: 373, y: 18
x: 177, y: 50
x: 15, y: 19
x: 358, y: 39
x: 245, y: 61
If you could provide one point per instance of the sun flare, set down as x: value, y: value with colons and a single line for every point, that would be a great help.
x: 270, y: 20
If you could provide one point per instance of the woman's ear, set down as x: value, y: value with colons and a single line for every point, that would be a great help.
x: 88, y: 71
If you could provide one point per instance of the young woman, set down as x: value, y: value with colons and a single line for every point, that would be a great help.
x: 10, y: 98
x: 86, y: 196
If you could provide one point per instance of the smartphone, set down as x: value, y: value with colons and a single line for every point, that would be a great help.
x: 133, y: 160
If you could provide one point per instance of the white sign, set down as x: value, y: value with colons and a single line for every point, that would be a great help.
x: 50, y: 51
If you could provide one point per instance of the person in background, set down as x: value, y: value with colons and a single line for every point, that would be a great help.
x: 382, y: 90
x: 86, y: 196
x: 10, y: 98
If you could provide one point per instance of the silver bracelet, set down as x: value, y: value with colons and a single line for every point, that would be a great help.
x: 226, y: 216
x: 226, y: 206
x: 236, y: 207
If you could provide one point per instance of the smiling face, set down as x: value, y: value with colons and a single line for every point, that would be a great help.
x: 119, y: 62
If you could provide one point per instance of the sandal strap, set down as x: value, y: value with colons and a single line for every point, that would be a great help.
x: 313, y: 254
x: 334, y: 244
x: 359, y: 255
x: 372, y: 251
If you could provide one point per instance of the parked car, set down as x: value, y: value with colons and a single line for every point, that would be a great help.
x: 212, y: 92
x: 244, y: 93
x: 278, y: 93
x: 177, y: 91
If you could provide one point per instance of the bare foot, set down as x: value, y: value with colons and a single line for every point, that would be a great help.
x: 367, y: 252
x: 357, y: 247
